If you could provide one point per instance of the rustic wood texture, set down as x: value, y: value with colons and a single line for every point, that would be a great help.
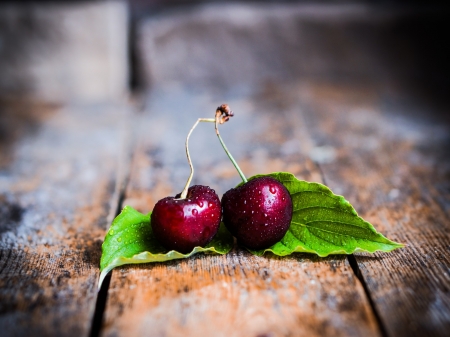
x: 65, y: 50
x: 341, y: 95
x: 237, y: 294
x: 57, y: 188
x: 392, y: 161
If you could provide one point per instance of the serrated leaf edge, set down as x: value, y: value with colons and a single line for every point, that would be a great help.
x: 302, y: 249
x: 147, y: 257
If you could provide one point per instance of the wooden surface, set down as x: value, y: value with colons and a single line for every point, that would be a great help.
x: 238, y: 294
x: 344, y: 120
x: 399, y: 166
x: 56, y: 191
x: 59, y: 190
x: 64, y: 50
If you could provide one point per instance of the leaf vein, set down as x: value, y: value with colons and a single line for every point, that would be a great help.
x: 345, y: 223
x: 324, y: 207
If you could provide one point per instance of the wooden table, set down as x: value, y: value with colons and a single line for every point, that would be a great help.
x: 338, y: 114
x: 66, y: 171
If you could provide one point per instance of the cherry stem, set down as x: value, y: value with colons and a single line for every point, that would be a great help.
x: 185, y: 190
x: 217, y: 122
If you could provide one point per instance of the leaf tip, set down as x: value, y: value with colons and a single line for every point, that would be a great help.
x: 400, y: 245
x: 102, y: 277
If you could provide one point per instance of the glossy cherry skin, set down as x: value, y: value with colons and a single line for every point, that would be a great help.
x: 258, y: 213
x: 182, y: 224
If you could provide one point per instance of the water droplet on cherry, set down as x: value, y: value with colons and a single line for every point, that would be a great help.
x: 268, y: 195
x: 194, y: 212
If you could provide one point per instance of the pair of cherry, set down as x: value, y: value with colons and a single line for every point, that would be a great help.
x: 258, y: 212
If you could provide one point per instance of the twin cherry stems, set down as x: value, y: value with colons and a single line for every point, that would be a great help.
x: 223, y: 114
x: 262, y: 218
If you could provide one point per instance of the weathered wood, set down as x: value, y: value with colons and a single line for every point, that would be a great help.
x: 57, y: 181
x: 249, y: 49
x: 237, y: 294
x: 64, y: 50
x: 56, y: 191
x: 229, y: 45
x: 392, y: 162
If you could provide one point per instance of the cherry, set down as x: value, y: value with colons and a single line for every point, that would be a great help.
x: 182, y: 224
x: 258, y: 213
x: 192, y: 217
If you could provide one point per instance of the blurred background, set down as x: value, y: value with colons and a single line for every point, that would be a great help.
x: 183, y: 58
x: 319, y: 88
x: 268, y: 55
x: 88, y: 51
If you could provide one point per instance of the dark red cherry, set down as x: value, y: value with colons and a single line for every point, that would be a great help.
x: 182, y: 224
x: 258, y: 213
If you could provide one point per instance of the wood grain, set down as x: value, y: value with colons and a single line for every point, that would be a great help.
x: 392, y: 162
x: 56, y: 191
x: 237, y: 294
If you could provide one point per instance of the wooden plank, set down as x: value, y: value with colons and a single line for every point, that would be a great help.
x: 392, y: 162
x: 237, y: 294
x: 75, y: 50
x: 56, y: 190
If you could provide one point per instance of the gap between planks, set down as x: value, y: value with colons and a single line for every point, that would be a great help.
x: 122, y: 179
x: 352, y: 260
x: 354, y: 264
x: 102, y: 298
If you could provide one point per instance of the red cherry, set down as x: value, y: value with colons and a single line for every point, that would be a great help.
x: 258, y: 213
x: 182, y: 224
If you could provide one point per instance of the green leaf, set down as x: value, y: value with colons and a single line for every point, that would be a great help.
x: 324, y: 223
x: 130, y: 240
